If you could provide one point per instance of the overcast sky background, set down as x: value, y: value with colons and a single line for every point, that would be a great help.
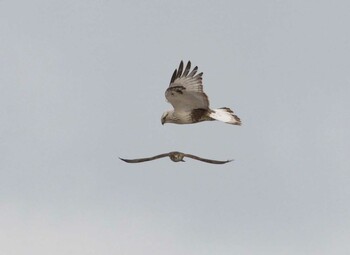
x: 82, y: 83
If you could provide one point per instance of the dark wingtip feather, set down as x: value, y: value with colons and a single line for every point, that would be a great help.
x: 224, y: 162
x: 173, y: 77
x: 187, y: 69
x: 194, y: 71
x: 127, y: 160
x: 179, y: 71
x: 200, y: 74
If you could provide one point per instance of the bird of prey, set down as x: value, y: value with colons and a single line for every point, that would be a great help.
x: 191, y: 104
x: 175, y: 156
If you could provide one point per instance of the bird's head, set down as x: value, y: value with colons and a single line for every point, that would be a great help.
x: 164, y: 117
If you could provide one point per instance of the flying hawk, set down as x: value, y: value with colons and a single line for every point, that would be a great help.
x: 191, y: 104
x: 175, y: 156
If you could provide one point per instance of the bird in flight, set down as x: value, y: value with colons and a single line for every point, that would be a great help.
x: 175, y: 156
x: 191, y: 104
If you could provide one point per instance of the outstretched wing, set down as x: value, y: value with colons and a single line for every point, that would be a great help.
x: 207, y: 160
x: 139, y: 160
x: 185, y: 91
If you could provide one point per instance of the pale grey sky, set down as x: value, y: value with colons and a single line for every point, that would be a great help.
x: 82, y: 83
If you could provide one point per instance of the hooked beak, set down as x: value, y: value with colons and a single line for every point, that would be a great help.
x: 163, y: 121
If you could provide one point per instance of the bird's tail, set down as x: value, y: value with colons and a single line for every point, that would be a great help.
x: 226, y: 115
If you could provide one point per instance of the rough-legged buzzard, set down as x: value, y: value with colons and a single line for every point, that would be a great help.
x: 175, y: 156
x: 191, y: 104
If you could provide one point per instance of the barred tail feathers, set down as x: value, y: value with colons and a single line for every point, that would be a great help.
x: 226, y: 115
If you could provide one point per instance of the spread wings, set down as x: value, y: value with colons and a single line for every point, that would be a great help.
x: 176, y: 157
x: 139, y: 160
x: 212, y: 161
x: 185, y: 91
